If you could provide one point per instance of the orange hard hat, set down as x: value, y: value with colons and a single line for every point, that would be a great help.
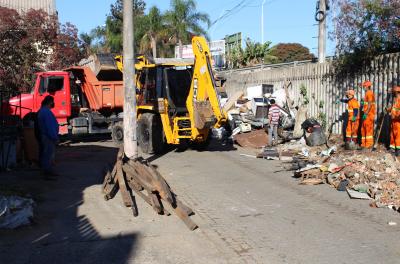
x: 350, y: 92
x: 366, y: 84
x: 396, y: 89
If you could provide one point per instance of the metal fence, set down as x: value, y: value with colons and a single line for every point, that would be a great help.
x: 323, y: 85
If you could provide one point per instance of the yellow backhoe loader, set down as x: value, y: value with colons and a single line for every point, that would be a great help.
x: 177, y: 99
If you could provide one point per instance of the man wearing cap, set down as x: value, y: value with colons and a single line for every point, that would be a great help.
x: 368, y: 117
x: 353, y: 107
x: 395, y: 125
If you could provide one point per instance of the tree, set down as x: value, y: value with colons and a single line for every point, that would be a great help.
x: 114, y: 21
x: 68, y: 48
x: 253, y: 54
x: 26, y: 42
x: 154, y: 30
x: 289, y: 52
x: 365, y: 29
x: 31, y: 42
x: 184, y: 21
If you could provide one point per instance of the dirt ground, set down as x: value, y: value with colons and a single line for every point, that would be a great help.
x: 248, y: 211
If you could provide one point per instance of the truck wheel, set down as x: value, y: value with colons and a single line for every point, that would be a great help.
x: 117, y: 133
x: 150, y: 133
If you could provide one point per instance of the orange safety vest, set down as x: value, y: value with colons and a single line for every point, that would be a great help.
x: 395, y: 127
x: 352, y: 127
x: 367, y: 128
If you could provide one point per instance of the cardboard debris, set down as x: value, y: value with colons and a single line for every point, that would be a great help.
x: 232, y: 100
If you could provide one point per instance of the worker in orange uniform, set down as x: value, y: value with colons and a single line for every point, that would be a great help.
x: 368, y: 117
x: 395, y: 126
x: 353, y: 108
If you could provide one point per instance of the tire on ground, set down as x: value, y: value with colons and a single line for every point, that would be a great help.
x: 117, y: 133
x: 150, y: 133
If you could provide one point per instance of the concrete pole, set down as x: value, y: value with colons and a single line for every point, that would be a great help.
x: 322, y: 32
x: 262, y: 30
x: 130, y: 137
x: 262, y: 22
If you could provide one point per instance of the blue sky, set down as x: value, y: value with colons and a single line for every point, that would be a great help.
x: 284, y: 20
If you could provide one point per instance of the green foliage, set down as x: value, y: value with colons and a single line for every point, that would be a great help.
x: 254, y: 53
x: 303, y: 93
x: 183, y: 21
x: 155, y: 33
x: 365, y: 29
x: 289, y: 52
x: 257, y: 53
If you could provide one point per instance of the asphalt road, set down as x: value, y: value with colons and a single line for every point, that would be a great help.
x: 248, y: 210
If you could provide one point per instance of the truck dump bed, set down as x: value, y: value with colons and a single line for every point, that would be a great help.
x: 101, y: 95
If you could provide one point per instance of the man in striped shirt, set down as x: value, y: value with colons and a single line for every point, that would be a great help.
x: 274, y: 113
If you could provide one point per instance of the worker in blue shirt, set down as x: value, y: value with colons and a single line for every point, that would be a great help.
x: 48, y: 136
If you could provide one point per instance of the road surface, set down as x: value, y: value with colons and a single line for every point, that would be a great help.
x: 249, y: 211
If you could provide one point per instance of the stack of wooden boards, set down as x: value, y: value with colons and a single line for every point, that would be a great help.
x: 142, y: 178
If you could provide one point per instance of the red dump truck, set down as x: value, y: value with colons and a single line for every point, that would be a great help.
x: 85, y: 102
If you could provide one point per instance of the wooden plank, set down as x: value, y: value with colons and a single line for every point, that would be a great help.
x: 110, y: 188
x: 156, y: 203
x: 182, y: 215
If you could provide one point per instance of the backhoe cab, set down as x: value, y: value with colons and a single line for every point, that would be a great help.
x: 177, y: 99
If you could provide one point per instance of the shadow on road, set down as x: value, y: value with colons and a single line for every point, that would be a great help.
x: 62, y: 233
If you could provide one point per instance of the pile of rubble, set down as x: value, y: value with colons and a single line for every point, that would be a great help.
x: 366, y: 174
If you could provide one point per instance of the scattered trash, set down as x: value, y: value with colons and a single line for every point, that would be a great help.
x: 329, y: 151
x: 342, y: 185
x: 362, y: 188
x: 391, y: 223
x: 268, y: 153
x: 15, y: 211
x: 305, y: 152
x: 249, y: 156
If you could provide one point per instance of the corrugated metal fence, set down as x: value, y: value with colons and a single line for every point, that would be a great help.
x: 24, y: 5
x: 324, y: 87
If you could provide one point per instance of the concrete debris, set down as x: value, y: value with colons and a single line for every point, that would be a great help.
x: 363, y: 174
x: 358, y: 195
x: 269, y: 153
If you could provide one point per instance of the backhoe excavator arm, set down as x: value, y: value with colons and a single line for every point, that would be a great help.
x: 203, y: 87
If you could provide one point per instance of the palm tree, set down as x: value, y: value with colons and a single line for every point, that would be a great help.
x: 183, y: 21
x: 155, y: 29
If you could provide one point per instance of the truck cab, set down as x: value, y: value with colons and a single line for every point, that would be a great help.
x: 83, y: 104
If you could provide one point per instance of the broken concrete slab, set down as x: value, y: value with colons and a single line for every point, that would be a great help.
x: 358, y: 195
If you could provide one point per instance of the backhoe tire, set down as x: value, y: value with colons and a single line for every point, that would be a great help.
x: 150, y: 133
x: 117, y: 133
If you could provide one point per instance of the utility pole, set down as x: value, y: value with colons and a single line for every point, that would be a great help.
x: 130, y: 137
x: 262, y: 22
x: 321, y: 18
x: 262, y: 30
